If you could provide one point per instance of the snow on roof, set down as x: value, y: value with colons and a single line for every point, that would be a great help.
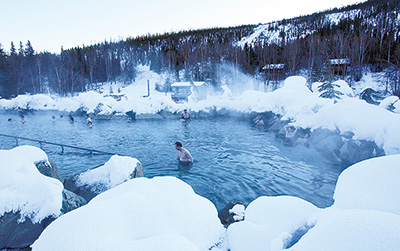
x: 187, y: 84
x: 339, y: 61
x: 181, y: 84
x: 273, y: 66
x: 199, y: 83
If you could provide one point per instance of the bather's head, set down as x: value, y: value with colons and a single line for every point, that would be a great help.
x: 178, y: 145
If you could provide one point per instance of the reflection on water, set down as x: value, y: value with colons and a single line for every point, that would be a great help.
x: 233, y: 160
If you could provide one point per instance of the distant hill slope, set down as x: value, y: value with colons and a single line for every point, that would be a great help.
x: 377, y: 16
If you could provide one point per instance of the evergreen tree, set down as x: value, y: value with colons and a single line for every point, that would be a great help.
x: 5, y: 87
x: 329, y: 90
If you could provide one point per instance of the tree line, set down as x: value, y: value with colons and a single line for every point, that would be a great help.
x: 370, y: 39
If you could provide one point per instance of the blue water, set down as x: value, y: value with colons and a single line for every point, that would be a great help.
x: 234, y: 161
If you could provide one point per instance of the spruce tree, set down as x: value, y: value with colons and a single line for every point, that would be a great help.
x: 328, y: 90
x: 4, y: 75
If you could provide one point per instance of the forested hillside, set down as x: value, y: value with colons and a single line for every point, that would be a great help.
x: 366, y: 34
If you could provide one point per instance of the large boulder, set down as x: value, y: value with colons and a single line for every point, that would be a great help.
x: 71, y: 201
x: 17, y: 234
x: 232, y: 212
x: 371, y: 96
x: 95, y: 181
x: 48, y: 168
x: 327, y: 142
x: 29, y: 200
x: 355, y: 151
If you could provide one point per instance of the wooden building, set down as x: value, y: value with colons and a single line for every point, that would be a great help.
x: 182, y: 90
x: 339, y: 66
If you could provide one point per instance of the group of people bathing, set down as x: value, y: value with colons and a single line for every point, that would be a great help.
x: 70, y: 118
x: 291, y: 134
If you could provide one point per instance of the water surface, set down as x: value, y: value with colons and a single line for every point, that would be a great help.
x: 234, y: 161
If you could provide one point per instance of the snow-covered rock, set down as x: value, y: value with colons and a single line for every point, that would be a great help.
x: 162, y: 213
x: 356, y: 230
x: 315, y: 86
x: 232, y: 212
x: 371, y: 184
x: 24, y: 188
x: 29, y: 200
x: 38, y: 157
x: 344, y: 88
x: 391, y: 103
x: 269, y: 222
x: 365, y: 214
x: 115, y: 171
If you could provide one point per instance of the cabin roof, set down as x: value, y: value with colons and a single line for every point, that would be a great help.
x: 339, y: 61
x: 199, y: 83
x: 181, y: 84
x: 188, y: 84
x: 273, y: 66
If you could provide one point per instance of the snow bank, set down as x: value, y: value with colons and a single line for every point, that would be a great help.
x: 344, y: 88
x: 391, y: 102
x: 24, y: 189
x: 159, y: 242
x: 356, y: 230
x: 27, y: 101
x: 115, y: 171
x: 371, y: 184
x: 366, y: 121
x: 31, y: 153
x: 366, y: 211
x: 269, y: 221
x: 160, y: 212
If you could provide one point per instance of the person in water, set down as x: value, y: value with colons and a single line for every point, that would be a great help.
x: 259, y: 121
x: 21, y: 113
x: 71, y: 119
x: 185, y: 115
x: 88, y: 120
x: 184, y: 155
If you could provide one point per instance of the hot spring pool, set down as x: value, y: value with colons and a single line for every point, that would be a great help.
x: 234, y: 161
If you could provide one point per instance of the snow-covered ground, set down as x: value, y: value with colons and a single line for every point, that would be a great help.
x: 164, y: 213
